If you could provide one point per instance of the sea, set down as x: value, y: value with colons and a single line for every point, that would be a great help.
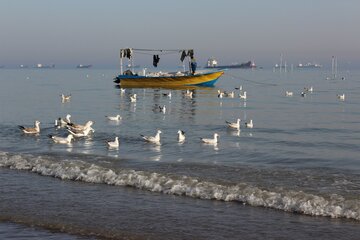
x: 294, y: 175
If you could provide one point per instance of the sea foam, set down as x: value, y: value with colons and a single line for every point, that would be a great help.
x: 334, y: 206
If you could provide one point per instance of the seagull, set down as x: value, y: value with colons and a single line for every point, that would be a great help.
x: 289, y: 94
x: 230, y: 94
x: 65, y: 98
x: 31, y: 130
x: 162, y: 109
x: 239, y: 88
x: 122, y: 90
x: 113, y: 144
x: 167, y: 94
x: 114, y: 118
x: 188, y: 93
x: 60, y: 122
x: 310, y: 89
x: 235, y: 125
x: 133, y: 98
x: 249, y: 124
x: 303, y: 94
x: 83, y: 133
x: 221, y: 95
x: 341, y: 97
x: 211, y: 140
x: 152, y: 139
x: 181, y: 136
x: 243, y: 96
x: 77, y: 127
x: 61, y: 140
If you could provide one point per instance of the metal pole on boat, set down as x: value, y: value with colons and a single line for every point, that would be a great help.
x: 121, y: 62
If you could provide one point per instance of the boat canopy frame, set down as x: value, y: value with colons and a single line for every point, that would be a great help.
x: 129, y: 53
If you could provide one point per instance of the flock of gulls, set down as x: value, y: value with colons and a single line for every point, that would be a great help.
x: 82, y: 130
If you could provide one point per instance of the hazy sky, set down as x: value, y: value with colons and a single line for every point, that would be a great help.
x: 92, y: 31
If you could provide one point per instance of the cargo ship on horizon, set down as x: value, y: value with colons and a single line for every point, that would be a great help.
x: 212, y: 63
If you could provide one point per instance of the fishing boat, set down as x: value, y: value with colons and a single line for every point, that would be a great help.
x: 188, y: 77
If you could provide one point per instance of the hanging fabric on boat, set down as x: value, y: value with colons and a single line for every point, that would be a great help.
x: 126, y: 53
x: 156, y: 60
x: 183, y: 55
x: 191, y: 53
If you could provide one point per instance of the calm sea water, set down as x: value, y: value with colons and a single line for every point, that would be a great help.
x: 294, y: 175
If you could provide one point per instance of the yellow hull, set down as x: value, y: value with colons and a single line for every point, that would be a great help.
x: 202, y: 79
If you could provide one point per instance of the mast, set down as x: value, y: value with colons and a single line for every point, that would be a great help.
x: 121, y: 62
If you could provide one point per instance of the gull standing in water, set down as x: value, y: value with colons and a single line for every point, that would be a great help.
x: 62, y: 140
x: 113, y: 144
x: 155, y: 139
x: 211, y: 140
x: 133, y: 98
x: 235, y: 125
x: 189, y: 93
x: 83, y: 133
x: 31, y: 130
x: 78, y: 127
x: 60, y: 122
x: 162, y: 109
x: 65, y: 98
x: 249, y: 124
x: 181, y: 136
x: 114, y: 118
x: 243, y: 95
x: 289, y: 94
x: 341, y: 97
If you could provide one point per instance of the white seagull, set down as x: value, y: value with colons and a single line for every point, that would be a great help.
x: 114, y: 118
x: 78, y: 127
x: 181, y: 136
x: 243, y: 95
x: 211, y: 140
x: 152, y: 139
x: 249, y: 124
x: 289, y: 94
x: 341, y: 97
x: 133, y: 98
x: 167, y: 94
x: 60, y: 122
x: 162, y: 109
x: 31, y: 130
x: 65, y: 98
x: 113, y: 144
x: 189, y: 93
x: 83, y: 133
x: 61, y: 140
x: 239, y: 88
x: 235, y: 125
x: 309, y: 89
x: 303, y: 94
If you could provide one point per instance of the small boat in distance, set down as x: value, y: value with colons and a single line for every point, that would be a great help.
x: 190, y: 77
x: 84, y: 66
x: 309, y: 65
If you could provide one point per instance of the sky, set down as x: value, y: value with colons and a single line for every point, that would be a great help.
x: 71, y: 32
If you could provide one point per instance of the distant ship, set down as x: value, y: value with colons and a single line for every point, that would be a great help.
x: 309, y: 65
x: 40, y: 65
x: 212, y: 63
x: 83, y: 66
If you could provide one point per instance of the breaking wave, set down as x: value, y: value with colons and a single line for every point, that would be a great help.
x: 335, y: 206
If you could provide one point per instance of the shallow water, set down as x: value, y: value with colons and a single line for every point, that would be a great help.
x: 297, y: 168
